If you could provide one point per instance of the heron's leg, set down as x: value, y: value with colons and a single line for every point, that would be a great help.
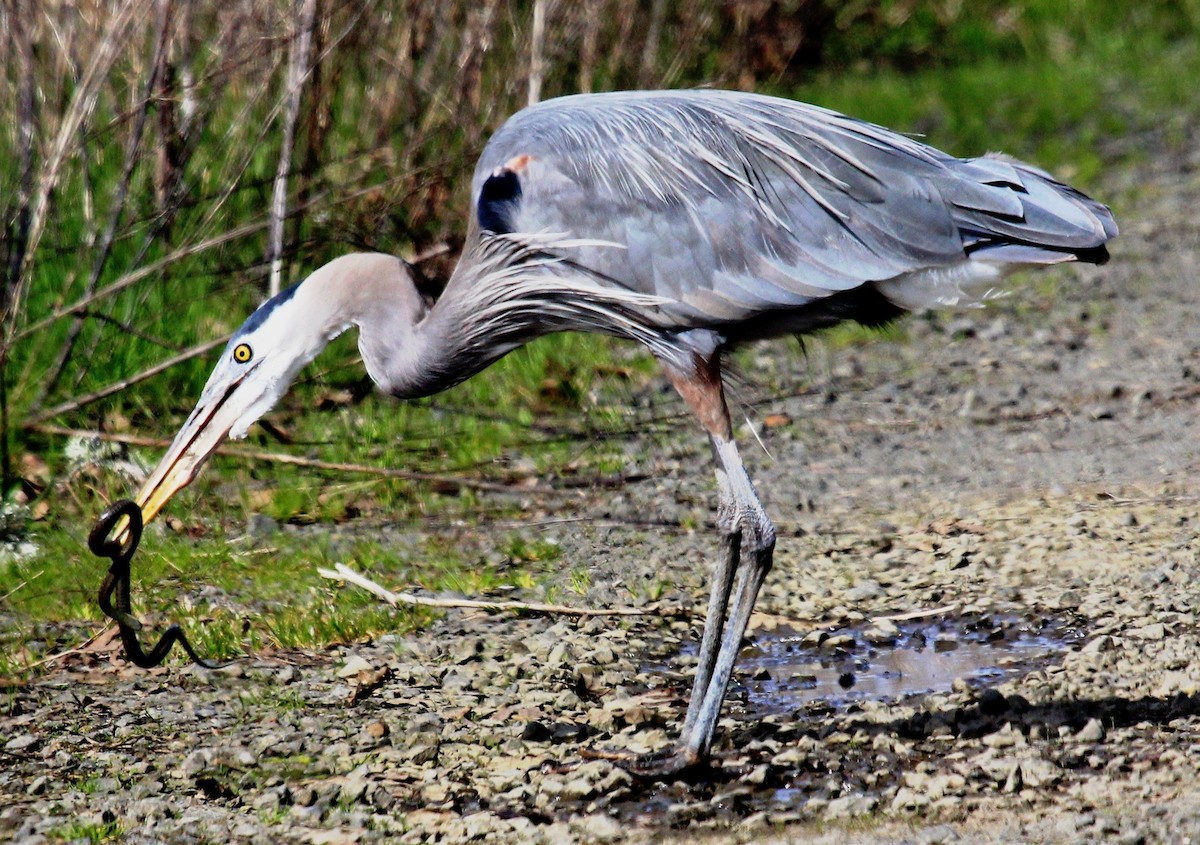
x: 756, y: 534
x: 742, y: 521
x: 718, y: 602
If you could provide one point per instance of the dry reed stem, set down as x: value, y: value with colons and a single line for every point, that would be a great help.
x: 649, y: 62
x: 537, y: 50
x: 450, y: 482
x: 83, y: 101
x: 17, y: 238
x: 944, y: 610
x: 141, y: 273
x: 298, y: 71
x: 117, y: 208
x: 434, y: 479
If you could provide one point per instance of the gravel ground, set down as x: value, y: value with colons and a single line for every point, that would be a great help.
x: 1025, y: 468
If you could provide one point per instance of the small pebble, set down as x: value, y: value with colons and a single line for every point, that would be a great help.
x: 1093, y: 731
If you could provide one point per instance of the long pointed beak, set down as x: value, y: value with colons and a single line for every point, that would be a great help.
x: 203, y: 432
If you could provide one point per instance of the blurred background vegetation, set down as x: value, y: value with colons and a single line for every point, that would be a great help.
x: 147, y: 142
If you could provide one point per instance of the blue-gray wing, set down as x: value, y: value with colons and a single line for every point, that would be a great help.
x: 730, y: 205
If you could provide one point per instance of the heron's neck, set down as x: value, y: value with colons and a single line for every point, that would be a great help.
x: 503, y: 294
x: 412, y: 349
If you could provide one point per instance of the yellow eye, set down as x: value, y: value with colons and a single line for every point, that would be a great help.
x: 242, y: 353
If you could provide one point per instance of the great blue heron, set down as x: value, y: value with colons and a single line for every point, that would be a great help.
x: 690, y: 222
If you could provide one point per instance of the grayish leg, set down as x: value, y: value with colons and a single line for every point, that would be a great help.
x: 744, y: 527
x: 718, y: 602
x: 749, y: 525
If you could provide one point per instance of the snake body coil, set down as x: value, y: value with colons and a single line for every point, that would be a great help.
x: 116, y: 583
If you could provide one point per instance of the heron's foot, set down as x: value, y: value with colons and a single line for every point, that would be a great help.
x: 660, y: 765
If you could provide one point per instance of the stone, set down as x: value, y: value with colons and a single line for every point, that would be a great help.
x: 1093, y: 731
x: 22, y: 743
x: 353, y: 666
x: 1153, y: 631
x: 599, y: 828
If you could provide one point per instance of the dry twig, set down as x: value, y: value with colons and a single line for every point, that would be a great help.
x: 443, y: 481
x: 944, y: 610
x: 118, y: 386
x: 537, y: 48
x: 341, y: 572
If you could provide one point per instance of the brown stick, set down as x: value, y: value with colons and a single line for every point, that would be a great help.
x: 296, y: 460
x: 336, y: 466
x: 128, y: 439
x: 341, y: 572
x: 918, y: 614
x: 386, y: 472
x: 118, y: 386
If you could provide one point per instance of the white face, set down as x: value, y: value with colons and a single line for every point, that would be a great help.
x: 253, y: 373
x: 266, y: 353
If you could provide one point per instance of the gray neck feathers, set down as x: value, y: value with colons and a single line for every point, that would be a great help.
x: 408, y: 348
x: 505, y: 292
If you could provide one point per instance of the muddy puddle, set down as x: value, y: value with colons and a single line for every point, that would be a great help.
x: 786, y: 670
x: 813, y: 678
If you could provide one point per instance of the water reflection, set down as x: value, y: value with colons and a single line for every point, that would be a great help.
x: 786, y: 670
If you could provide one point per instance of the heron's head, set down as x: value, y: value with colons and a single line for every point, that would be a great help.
x: 255, y: 370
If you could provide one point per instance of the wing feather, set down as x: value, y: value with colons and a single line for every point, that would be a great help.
x: 730, y: 205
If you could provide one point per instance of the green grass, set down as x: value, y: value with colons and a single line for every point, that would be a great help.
x: 233, y: 598
x: 93, y: 832
x: 1100, y: 71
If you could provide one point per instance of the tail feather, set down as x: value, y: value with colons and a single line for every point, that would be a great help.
x: 1012, y: 252
x: 1056, y: 222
